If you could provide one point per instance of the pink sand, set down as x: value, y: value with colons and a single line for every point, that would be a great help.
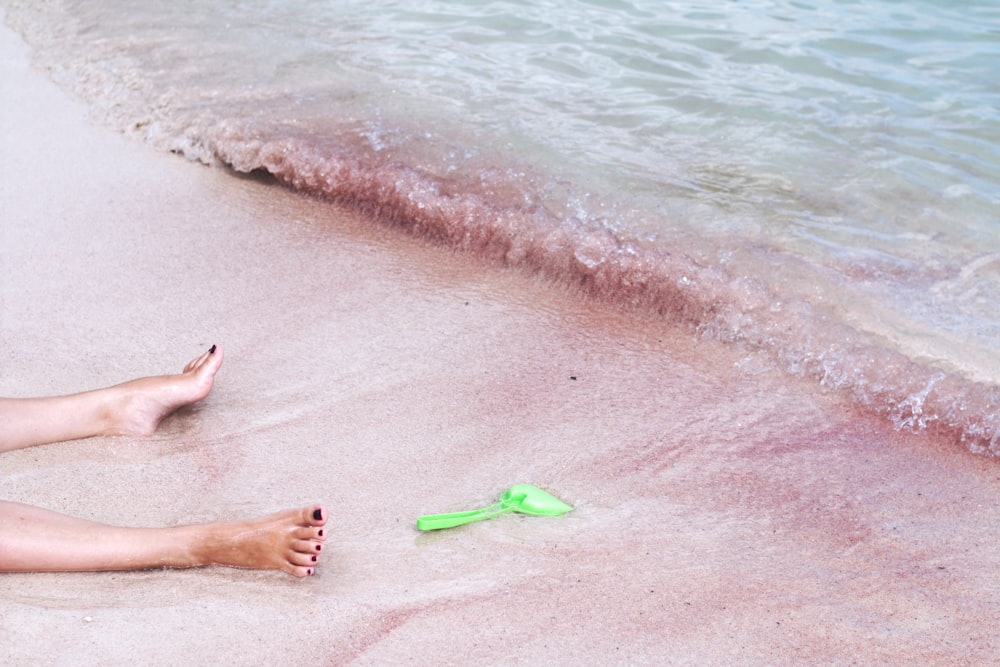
x: 721, y: 518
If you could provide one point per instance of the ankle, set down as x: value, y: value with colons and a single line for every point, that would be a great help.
x: 205, y: 544
x: 119, y: 409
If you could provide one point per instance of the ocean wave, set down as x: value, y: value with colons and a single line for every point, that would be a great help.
x: 514, y: 229
x: 213, y: 82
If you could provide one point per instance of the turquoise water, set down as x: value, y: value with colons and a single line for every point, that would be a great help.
x: 814, y: 181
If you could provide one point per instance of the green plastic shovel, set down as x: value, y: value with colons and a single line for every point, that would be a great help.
x: 522, y: 498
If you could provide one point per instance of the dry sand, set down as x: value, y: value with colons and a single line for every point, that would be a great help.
x: 721, y: 518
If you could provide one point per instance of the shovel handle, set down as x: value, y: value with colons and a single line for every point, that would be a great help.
x: 452, y: 519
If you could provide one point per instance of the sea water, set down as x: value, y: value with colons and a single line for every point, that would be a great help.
x: 814, y: 181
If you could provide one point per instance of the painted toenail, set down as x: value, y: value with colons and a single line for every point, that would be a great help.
x: 318, y: 547
x: 321, y: 532
x: 211, y: 350
x: 318, y: 514
x: 314, y: 559
x: 309, y: 571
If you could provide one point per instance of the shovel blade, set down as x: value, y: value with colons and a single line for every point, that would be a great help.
x: 528, y: 499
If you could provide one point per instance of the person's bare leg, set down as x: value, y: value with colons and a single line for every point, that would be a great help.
x: 38, y: 540
x: 131, y: 408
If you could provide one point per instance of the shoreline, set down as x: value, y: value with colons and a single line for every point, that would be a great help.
x: 721, y: 517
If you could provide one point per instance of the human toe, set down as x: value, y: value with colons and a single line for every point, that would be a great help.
x: 316, y: 516
x: 310, y: 547
x: 303, y: 559
x: 299, y: 571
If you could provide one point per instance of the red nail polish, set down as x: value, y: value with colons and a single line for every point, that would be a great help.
x: 309, y: 571
x: 318, y: 514
x: 318, y: 547
x: 314, y: 559
x: 211, y: 350
x: 321, y: 532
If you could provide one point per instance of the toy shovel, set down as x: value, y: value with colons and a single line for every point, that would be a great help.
x: 522, y: 498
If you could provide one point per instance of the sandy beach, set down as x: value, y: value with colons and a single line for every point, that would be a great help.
x: 722, y: 516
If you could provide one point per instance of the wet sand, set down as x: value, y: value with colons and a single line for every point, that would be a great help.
x: 723, y: 517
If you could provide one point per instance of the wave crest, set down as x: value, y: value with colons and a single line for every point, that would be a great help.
x: 508, y: 225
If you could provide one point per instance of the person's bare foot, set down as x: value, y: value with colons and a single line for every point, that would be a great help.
x: 290, y: 541
x: 138, y: 406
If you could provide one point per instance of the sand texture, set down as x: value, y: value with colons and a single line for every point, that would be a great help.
x: 722, y: 516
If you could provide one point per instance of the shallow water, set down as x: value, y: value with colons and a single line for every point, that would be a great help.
x: 815, y: 182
